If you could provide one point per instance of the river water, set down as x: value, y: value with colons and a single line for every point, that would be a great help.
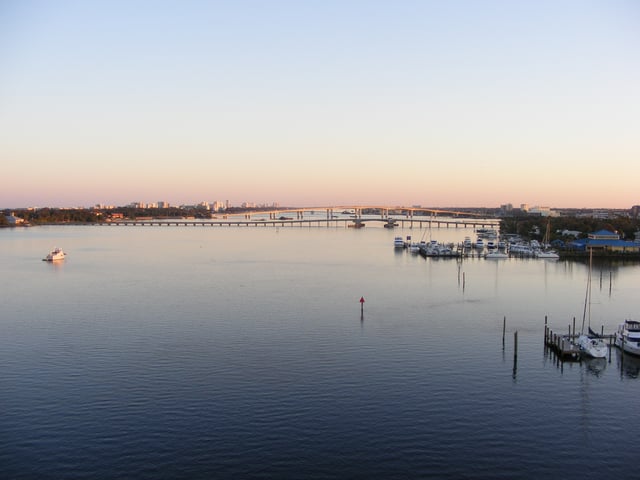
x: 242, y: 352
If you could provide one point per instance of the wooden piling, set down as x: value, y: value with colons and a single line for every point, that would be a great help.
x: 610, y: 275
x: 515, y: 354
x: 504, y: 327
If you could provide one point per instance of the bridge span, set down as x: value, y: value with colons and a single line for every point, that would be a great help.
x: 360, y: 210
x: 345, y: 216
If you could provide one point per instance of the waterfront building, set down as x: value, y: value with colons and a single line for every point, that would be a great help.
x: 604, y: 241
x: 13, y: 220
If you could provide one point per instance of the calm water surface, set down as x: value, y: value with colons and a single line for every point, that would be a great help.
x: 189, y: 352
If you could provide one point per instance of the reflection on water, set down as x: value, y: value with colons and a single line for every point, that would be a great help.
x: 595, y: 366
x: 628, y: 365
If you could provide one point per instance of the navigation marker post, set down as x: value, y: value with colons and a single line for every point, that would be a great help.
x: 361, y: 308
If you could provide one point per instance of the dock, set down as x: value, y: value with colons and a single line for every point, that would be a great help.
x: 564, y: 346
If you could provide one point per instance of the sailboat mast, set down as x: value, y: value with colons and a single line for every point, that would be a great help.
x: 590, y: 270
x: 587, y: 296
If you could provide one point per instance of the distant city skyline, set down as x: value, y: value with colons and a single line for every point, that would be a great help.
x: 218, y: 205
x: 447, y: 104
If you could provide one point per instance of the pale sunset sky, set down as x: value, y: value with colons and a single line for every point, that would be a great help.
x: 312, y: 103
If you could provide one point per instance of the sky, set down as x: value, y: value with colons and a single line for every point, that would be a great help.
x: 320, y: 102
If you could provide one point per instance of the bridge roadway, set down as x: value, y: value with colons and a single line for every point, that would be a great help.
x: 357, y: 211
x: 333, y: 222
x: 348, y: 216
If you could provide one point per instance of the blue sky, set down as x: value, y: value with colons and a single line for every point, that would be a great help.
x: 320, y: 102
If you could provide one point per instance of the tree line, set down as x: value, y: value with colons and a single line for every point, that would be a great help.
x: 534, y: 227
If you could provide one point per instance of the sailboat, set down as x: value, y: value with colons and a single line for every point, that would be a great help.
x: 590, y: 345
x: 544, y: 252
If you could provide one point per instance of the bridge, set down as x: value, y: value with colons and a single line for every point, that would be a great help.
x: 334, y: 216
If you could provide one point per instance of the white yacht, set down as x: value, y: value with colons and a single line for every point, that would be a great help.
x: 628, y: 337
x: 55, y: 254
x: 398, y: 242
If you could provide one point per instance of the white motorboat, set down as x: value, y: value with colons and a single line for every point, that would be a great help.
x: 479, y: 245
x: 487, y: 232
x: 55, y: 254
x: 628, y: 337
x: 547, y: 254
x: 496, y: 255
x: 521, y: 250
x: 398, y: 242
x: 435, y: 249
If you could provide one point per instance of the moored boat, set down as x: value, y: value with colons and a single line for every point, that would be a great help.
x: 628, y: 337
x: 550, y: 254
x: 55, y: 254
x: 496, y: 255
x: 398, y: 242
x: 592, y: 346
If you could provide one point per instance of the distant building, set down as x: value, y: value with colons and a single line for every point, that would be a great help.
x: 604, y: 241
x: 14, y: 221
x: 543, y: 212
x: 570, y: 233
x: 218, y: 206
x: 604, y: 235
x: 507, y: 207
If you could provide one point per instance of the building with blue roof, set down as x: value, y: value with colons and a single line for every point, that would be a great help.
x: 606, y: 242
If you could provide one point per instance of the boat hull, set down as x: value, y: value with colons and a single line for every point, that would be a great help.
x: 628, y: 346
x: 628, y: 337
x: 55, y: 255
x: 592, y: 347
